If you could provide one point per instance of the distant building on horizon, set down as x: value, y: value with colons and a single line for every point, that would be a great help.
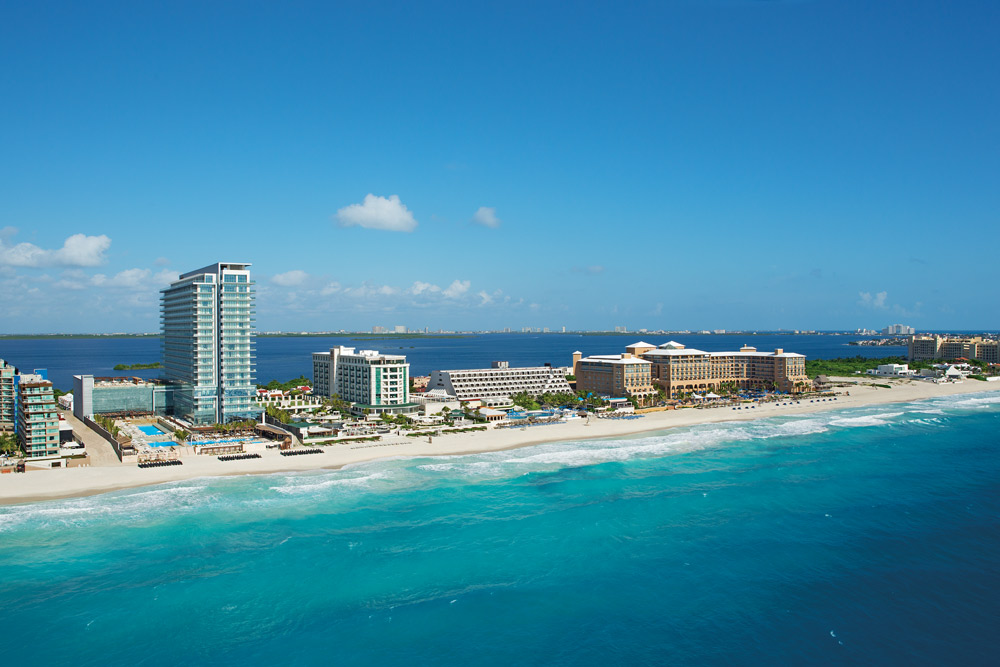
x: 898, y: 330
x: 207, y: 320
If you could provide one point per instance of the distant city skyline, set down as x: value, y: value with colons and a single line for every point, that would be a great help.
x: 727, y: 164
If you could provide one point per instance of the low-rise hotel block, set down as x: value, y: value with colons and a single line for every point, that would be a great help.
x: 926, y: 348
x: 678, y: 369
x: 377, y: 382
x: 499, y: 381
x: 615, y: 375
x: 121, y: 396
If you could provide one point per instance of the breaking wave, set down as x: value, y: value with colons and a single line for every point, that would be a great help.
x: 253, y: 493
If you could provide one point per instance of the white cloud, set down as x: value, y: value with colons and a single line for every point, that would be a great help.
x: 290, y: 278
x: 487, y: 217
x: 486, y: 298
x: 8, y: 231
x: 77, y: 250
x: 129, y: 278
x: 65, y: 283
x: 421, y: 287
x: 378, y: 213
x: 869, y: 301
x: 165, y: 277
x: 22, y: 254
x: 81, y: 250
x: 366, y: 291
x: 457, y: 289
x: 331, y: 288
x: 137, y: 280
x: 162, y: 261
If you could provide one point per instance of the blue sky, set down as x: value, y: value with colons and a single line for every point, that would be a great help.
x: 680, y: 165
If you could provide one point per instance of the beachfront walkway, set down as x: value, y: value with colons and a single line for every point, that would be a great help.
x: 101, y: 453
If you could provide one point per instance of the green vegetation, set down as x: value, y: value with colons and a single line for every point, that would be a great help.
x: 181, y: 435
x: 282, y: 416
x: 557, y: 399
x: 551, y: 400
x: 108, y: 425
x: 981, y: 378
x: 233, y: 427
x: 9, y: 444
x: 525, y: 400
x: 137, y: 367
x: 287, y: 386
x: 338, y: 404
x: 67, y: 335
x: 400, y: 420
x: 847, y: 366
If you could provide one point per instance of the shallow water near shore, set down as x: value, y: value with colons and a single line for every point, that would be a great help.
x: 864, y: 535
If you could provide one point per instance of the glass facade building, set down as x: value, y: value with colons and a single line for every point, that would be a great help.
x: 208, y: 350
x: 101, y: 396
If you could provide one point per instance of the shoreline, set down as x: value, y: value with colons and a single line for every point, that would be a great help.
x: 42, y: 485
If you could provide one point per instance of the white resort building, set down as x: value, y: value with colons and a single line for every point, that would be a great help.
x: 373, y: 381
x: 500, y: 381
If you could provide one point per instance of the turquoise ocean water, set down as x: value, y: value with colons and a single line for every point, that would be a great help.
x: 864, y: 536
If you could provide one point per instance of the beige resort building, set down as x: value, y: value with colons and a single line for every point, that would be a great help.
x: 925, y: 348
x: 615, y: 375
x: 680, y: 370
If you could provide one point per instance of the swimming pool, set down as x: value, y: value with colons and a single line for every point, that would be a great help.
x: 151, y: 430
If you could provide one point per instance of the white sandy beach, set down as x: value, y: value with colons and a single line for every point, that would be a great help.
x: 47, y: 484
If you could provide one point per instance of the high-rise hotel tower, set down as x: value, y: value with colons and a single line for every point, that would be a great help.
x: 208, y: 350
